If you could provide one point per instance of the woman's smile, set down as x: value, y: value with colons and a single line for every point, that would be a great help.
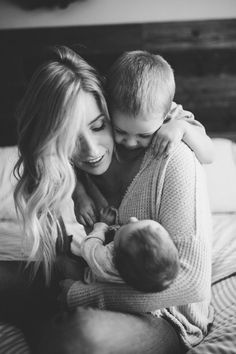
x: 94, y: 161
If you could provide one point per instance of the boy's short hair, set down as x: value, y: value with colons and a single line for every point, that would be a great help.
x: 146, y: 262
x: 140, y: 82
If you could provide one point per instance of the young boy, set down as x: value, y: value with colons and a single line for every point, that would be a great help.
x: 142, y: 254
x: 141, y: 88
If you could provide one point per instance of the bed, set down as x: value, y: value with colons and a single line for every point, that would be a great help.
x: 203, y: 54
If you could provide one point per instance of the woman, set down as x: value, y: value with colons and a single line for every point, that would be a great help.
x: 67, y: 90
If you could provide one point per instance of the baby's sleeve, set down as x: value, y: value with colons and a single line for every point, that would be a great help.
x: 100, y: 257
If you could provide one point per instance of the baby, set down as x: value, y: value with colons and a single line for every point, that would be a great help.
x: 142, y: 254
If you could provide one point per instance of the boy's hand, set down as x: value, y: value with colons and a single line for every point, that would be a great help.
x: 167, y: 137
x: 108, y: 215
x: 85, y: 211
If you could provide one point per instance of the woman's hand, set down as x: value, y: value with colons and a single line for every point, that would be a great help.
x: 167, y: 137
x: 85, y: 211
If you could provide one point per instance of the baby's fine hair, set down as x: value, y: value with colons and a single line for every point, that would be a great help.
x: 140, y: 82
x: 47, y: 138
x: 145, y: 261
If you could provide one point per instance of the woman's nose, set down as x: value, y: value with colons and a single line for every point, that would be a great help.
x: 88, y: 145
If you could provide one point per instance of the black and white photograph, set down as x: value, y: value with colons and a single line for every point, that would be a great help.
x: 117, y: 177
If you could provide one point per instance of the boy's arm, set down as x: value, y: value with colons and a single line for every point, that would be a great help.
x: 198, y: 141
x: 181, y: 125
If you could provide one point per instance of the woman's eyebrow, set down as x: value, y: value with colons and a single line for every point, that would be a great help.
x: 95, y: 119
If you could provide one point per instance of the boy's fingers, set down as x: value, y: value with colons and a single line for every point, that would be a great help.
x: 162, y: 148
x: 156, y: 147
x: 169, y: 149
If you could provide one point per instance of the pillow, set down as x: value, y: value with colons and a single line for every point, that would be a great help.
x: 8, y: 158
x: 221, y: 177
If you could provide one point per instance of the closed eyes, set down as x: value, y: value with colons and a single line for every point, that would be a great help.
x: 142, y: 136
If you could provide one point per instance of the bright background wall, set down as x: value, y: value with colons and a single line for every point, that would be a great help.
x: 89, y: 12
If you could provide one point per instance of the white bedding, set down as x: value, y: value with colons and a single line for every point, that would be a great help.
x: 222, y: 336
x: 223, y: 246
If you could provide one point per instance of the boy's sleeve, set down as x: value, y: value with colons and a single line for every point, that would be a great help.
x: 177, y: 112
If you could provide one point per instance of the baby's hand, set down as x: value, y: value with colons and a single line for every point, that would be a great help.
x: 167, y: 137
x: 85, y: 211
x: 108, y: 215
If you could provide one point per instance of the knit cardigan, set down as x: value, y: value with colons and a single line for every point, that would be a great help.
x: 173, y: 192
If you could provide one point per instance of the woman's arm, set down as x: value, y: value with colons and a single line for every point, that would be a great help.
x: 85, y: 209
x: 184, y: 216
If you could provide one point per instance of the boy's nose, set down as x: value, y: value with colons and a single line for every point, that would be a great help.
x: 88, y: 146
x: 131, y: 142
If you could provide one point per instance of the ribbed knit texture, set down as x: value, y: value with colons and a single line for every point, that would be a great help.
x: 171, y: 191
x: 12, y: 340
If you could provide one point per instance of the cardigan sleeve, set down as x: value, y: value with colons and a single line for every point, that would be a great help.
x: 181, y: 213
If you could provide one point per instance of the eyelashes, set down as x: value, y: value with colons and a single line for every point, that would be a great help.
x: 100, y: 125
x: 118, y: 132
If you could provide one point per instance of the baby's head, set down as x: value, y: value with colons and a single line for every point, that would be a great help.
x: 141, y: 88
x: 145, y: 255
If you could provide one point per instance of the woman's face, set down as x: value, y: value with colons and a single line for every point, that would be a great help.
x: 95, y: 141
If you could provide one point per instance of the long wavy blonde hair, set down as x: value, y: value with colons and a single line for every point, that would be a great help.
x: 48, y: 132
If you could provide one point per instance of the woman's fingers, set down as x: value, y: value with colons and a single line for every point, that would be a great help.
x: 89, y: 219
x: 81, y: 220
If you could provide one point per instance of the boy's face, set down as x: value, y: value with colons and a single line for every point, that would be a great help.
x: 135, y: 132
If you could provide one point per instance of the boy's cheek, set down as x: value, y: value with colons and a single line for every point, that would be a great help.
x: 117, y: 138
x: 147, y: 141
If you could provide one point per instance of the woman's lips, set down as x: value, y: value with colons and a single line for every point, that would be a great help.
x: 93, y: 162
